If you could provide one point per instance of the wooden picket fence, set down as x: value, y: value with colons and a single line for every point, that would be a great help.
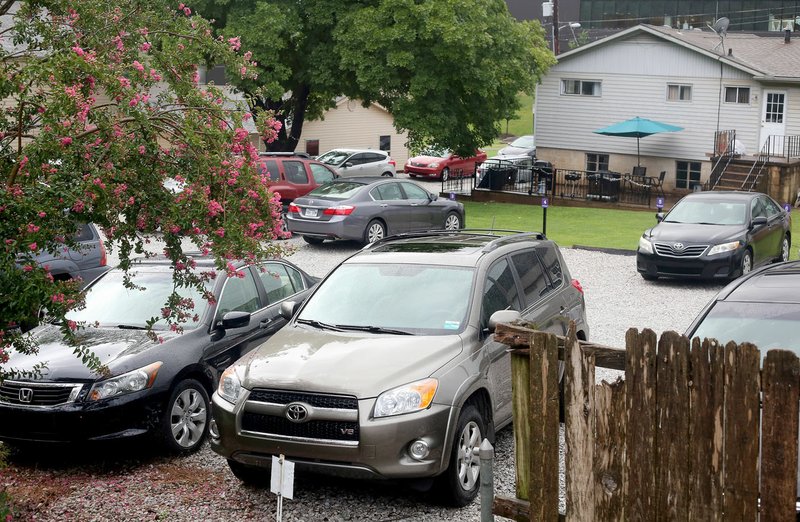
x: 677, y: 439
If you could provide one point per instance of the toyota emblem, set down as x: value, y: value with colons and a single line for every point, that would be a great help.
x: 677, y: 247
x: 296, y: 412
x: 25, y: 395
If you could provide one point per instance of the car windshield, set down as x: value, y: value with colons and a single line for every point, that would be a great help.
x: 708, y: 212
x: 435, y: 152
x: 337, y: 190
x: 523, y: 142
x: 334, y: 157
x: 419, y: 299
x: 767, y: 325
x: 109, y: 303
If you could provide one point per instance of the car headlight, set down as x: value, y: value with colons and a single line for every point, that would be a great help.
x: 724, y: 247
x: 434, y: 165
x: 408, y: 398
x: 129, y: 382
x: 645, y: 245
x: 230, y: 385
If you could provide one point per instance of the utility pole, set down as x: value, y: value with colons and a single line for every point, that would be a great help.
x: 555, y: 27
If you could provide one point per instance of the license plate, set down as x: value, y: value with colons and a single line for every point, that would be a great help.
x: 311, y: 212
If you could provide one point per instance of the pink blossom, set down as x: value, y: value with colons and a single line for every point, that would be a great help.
x: 145, y: 47
x: 124, y: 82
x: 220, y: 232
x: 141, y: 149
x: 72, y: 325
x: 28, y: 268
x: 138, y: 66
x: 187, y: 11
x: 32, y: 229
x: 235, y: 43
x: 243, y: 71
x: 166, y: 311
x: 57, y: 298
x: 214, y: 208
x: 66, y: 141
x: 33, y: 246
x: 42, y: 214
x: 78, y: 51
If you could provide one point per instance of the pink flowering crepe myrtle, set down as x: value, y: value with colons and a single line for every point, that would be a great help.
x: 94, y: 131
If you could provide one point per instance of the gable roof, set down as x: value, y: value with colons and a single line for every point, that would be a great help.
x: 767, y: 58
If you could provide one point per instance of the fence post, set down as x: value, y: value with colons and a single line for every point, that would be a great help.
x: 486, y: 453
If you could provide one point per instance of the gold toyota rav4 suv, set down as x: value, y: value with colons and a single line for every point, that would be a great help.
x: 389, y: 369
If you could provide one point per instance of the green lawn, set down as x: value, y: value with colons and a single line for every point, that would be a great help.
x: 571, y: 226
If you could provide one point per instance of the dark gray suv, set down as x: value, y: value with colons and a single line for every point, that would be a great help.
x: 390, y: 370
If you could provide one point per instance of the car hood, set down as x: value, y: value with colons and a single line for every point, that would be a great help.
x: 427, y: 159
x: 351, y: 363
x: 110, y: 345
x: 693, y: 233
x: 511, y: 151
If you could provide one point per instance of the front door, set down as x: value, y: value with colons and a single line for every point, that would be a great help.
x: 773, y: 122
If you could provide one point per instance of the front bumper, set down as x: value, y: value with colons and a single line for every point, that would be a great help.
x: 719, y: 266
x: 122, y: 417
x: 423, y: 171
x: 381, y: 450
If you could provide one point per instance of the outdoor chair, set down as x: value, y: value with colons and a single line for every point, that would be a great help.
x: 639, y: 172
x: 657, y: 184
x: 572, y: 179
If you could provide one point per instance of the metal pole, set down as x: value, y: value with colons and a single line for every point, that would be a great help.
x: 544, y: 221
x: 555, y: 27
x: 486, y: 453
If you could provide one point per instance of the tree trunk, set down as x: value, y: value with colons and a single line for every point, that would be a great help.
x: 295, y: 111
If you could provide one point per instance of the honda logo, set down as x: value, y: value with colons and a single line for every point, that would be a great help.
x: 296, y: 412
x: 25, y: 395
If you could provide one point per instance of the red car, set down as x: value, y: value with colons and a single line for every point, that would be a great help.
x: 443, y: 164
x: 293, y: 174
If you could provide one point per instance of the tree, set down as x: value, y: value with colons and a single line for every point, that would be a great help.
x: 449, y: 71
x: 101, y: 105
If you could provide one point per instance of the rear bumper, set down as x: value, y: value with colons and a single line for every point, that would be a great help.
x: 338, y: 227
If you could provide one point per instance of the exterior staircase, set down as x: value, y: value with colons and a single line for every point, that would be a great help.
x: 739, y: 174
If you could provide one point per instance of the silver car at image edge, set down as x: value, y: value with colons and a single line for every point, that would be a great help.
x: 390, y: 369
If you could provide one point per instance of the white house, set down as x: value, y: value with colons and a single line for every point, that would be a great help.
x: 351, y: 125
x: 695, y: 79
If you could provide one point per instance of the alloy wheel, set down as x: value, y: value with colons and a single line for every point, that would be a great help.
x: 188, y: 418
x: 469, y: 465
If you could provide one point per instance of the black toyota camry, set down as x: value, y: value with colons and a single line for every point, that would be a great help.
x: 155, y: 386
x: 712, y: 235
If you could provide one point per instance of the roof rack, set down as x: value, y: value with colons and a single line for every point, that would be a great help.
x: 507, y: 237
x: 286, y: 154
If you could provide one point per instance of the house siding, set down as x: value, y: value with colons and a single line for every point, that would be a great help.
x: 350, y: 125
x: 634, y: 73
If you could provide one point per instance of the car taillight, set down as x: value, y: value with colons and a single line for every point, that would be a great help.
x: 103, y: 259
x: 294, y: 208
x: 577, y: 285
x: 392, y: 162
x: 341, y: 210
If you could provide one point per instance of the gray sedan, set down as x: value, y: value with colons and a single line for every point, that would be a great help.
x: 369, y: 209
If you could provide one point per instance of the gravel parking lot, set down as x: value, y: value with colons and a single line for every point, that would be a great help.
x: 131, y: 482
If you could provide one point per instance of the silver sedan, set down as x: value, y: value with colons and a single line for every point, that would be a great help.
x: 369, y: 209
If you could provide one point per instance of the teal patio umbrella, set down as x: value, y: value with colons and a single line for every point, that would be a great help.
x: 637, y: 128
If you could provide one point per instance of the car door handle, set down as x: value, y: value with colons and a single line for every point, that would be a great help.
x: 265, y: 323
x: 384, y: 204
x: 563, y: 311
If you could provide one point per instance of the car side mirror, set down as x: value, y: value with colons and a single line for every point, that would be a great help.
x: 235, y: 319
x: 432, y: 197
x: 288, y: 309
x: 503, y: 316
x: 348, y: 164
x: 659, y: 216
x: 758, y: 221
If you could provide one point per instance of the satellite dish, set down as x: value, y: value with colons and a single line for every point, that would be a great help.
x: 720, y: 27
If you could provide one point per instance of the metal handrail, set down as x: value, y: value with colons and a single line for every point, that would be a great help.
x: 763, y: 158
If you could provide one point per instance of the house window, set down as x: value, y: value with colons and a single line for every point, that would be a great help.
x: 677, y: 92
x: 580, y: 87
x: 596, y: 162
x: 386, y: 143
x: 687, y: 174
x: 737, y: 95
x: 312, y: 147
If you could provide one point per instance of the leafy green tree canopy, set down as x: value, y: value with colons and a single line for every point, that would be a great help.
x: 101, y: 104
x: 448, y: 70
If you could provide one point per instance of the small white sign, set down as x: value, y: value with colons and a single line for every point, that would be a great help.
x: 282, y: 480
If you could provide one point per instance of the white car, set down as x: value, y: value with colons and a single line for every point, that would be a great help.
x: 359, y: 162
x: 523, y: 145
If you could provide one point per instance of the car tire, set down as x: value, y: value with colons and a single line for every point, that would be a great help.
x: 445, y: 174
x: 249, y: 474
x: 313, y: 240
x: 453, y: 221
x: 786, y: 246
x: 746, y: 264
x: 285, y: 232
x: 185, y: 420
x: 387, y: 174
x: 375, y: 231
x: 460, y: 483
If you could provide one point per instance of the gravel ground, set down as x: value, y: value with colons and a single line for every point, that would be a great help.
x: 124, y: 482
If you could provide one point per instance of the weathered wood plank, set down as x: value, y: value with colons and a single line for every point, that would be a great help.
x: 579, y: 429
x: 638, y: 478
x: 779, y: 429
x: 544, y: 426
x: 671, y: 449
x: 513, y: 508
x: 706, y: 400
x: 520, y: 410
x: 742, y: 389
x: 609, y: 453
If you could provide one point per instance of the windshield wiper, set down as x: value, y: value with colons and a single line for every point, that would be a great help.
x: 131, y: 327
x: 372, y: 329
x: 319, y: 324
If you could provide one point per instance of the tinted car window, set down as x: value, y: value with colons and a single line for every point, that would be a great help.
x: 375, y: 157
x: 770, y: 207
x: 270, y: 168
x: 358, y: 159
x: 295, y: 172
x: 757, y: 208
x: 276, y: 281
x: 342, y: 190
x: 500, y: 291
x: 552, y: 265
x: 84, y: 233
x: 321, y: 174
x: 240, y: 295
x: 531, y: 275
x: 387, y: 192
x: 414, y: 191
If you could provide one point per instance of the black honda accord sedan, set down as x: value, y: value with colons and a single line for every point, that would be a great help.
x: 158, y: 387
x: 715, y: 235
